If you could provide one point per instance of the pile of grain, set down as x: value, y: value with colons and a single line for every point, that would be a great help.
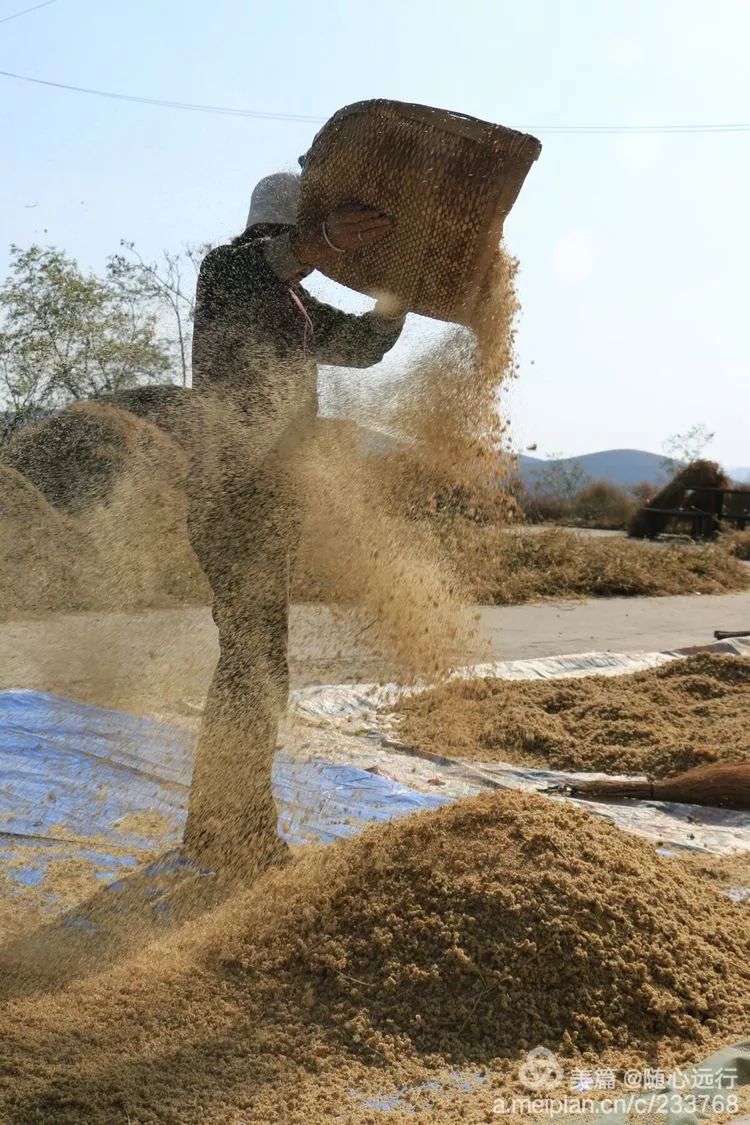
x: 684, y: 714
x: 463, y: 936
x: 97, y: 520
x: 74, y: 457
x: 41, y: 550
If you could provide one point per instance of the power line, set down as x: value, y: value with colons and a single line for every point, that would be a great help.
x: 234, y: 111
x: 195, y: 107
x: 15, y: 15
x: 722, y: 127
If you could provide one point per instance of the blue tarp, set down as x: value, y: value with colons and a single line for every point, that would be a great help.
x: 69, y: 771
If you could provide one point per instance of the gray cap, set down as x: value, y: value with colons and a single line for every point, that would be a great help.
x: 274, y: 200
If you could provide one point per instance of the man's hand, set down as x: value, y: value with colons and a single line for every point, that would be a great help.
x: 348, y: 228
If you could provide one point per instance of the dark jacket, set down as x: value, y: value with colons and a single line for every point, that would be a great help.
x: 256, y: 343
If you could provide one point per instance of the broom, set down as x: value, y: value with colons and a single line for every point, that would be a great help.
x: 725, y: 786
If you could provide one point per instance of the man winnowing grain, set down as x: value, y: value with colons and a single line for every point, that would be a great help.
x: 258, y: 338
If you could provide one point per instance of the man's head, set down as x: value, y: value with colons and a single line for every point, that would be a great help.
x: 274, y: 201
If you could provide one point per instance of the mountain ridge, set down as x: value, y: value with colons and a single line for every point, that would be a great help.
x: 624, y: 467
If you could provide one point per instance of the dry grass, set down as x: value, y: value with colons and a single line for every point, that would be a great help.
x: 737, y: 543
x: 508, y: 567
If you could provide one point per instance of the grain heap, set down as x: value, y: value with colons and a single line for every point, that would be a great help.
x: 459, y: 937
x: 31, y: 529
x: 659, y: 722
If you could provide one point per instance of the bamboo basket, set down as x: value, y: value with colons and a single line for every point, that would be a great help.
x: 447, y: 180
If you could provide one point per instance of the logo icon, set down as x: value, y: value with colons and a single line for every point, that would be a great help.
x: 541, y: 1071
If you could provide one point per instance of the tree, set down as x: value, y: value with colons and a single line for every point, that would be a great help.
x: 683, y: 449
x: 602, y: 504
x: 65, y: 335
x: 168, y: 286
x: 560, y: 479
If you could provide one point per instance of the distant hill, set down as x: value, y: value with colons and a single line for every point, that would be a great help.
x: 623, y: 467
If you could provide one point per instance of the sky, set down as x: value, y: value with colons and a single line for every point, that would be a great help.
x: 633, y: 247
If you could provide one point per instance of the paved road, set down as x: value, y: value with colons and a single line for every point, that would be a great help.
x: 152, y: 662
x: 612, y: 624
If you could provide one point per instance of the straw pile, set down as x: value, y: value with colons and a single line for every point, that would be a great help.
x: 687, y: 713
x: 683, y: 491
x: 738, y: 544
x: 98, y: 518
x: 74, y: 457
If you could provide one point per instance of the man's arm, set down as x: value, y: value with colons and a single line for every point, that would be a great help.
x: 340, y: 339
x: 347, y: 340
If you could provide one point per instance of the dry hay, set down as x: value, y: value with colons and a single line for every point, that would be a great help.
x: 737, y: 543
x: 687, y: 713
x: 461, y: 937
x: 683, y: 491
x: 504, y: 566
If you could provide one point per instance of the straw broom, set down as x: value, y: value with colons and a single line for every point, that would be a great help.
x: 724, y: 786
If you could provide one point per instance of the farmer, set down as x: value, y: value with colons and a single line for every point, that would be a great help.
x: 258, y: 338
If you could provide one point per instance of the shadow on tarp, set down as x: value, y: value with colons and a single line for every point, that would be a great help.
x: 82, y: 782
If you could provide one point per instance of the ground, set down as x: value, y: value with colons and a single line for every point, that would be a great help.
x: 159, y: 662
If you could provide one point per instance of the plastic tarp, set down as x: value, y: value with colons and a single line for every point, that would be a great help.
x: 343, y: 704
x: 89, y: 780
x: 361, y: 718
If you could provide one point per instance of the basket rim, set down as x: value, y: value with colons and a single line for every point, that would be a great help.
x: 446, y: 120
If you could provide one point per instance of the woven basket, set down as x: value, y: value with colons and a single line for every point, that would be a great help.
x: 448, y: 181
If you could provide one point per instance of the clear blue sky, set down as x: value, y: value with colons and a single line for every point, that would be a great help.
x: 634, y: 249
